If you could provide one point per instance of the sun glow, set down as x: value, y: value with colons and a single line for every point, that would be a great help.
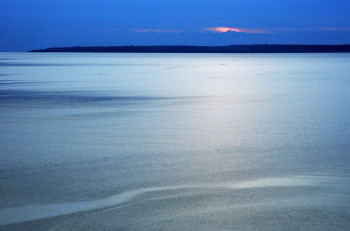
x: 226, y: 29
x: 223, y: 29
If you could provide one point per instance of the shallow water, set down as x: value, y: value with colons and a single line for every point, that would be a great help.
x: 174, y: 141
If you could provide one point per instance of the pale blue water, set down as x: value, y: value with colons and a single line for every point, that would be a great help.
x: 174, y: 141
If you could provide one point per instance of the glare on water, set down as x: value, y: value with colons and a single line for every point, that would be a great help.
x: 174, y: 141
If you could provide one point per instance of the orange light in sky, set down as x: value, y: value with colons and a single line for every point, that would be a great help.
x: 226, y: 29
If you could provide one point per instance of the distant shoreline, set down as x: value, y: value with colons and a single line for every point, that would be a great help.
x: 260, y: 48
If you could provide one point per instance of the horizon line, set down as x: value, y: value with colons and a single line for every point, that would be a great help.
x: 239, y: 48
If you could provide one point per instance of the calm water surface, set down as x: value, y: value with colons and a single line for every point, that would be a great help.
x: 174, y: 141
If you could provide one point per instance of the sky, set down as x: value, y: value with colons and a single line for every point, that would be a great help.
x: 35, y: 24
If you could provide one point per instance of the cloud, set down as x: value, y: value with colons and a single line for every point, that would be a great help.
x: 238, y: 30
x: 156, y: 31
x: 334, y: 29
x: 310, y: 29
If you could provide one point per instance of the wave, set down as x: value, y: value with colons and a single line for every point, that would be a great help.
x: 29, y: 213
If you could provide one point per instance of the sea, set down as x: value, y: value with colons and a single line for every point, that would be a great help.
x: 132, y: 141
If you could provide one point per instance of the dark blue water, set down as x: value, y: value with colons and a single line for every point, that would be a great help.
x: 174, y: 141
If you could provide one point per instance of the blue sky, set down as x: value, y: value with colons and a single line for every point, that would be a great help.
x: 33, y: 24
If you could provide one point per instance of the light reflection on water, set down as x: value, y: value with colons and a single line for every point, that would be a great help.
x: 77, y: 129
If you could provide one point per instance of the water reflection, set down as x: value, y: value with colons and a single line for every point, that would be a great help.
x: 174, y: 141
